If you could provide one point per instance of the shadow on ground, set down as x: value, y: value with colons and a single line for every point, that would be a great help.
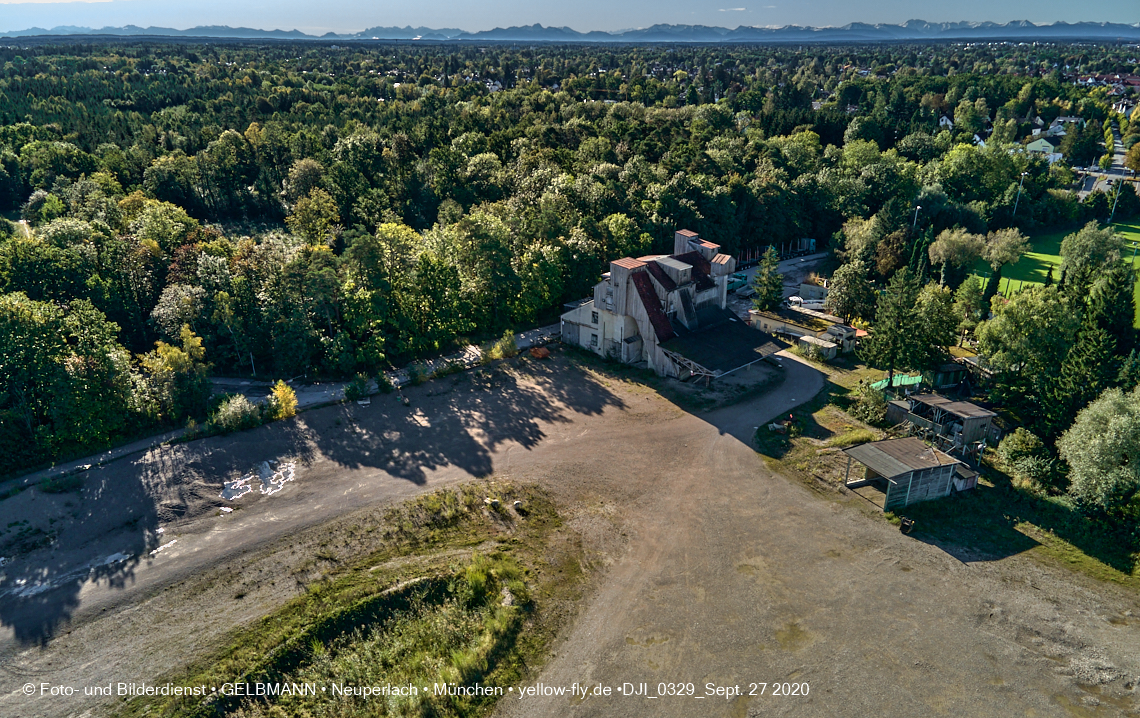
x: 460, y: 420
x: 103, y: 524
x: 983, y: 525
x: 41, y: 579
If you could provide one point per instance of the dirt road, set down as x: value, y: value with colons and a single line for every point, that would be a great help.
x: 736, y: 577
x: 725, y: 573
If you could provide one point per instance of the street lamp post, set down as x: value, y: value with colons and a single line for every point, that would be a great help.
x: 915, y: 222
x: 1119, y: 186
x: 1016, y: 201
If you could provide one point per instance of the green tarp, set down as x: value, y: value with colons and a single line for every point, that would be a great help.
x: 900, y: 380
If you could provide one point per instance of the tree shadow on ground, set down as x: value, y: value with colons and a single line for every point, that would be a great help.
x: 43, y: 574
x: 460, y: 420
x: 983, y: 524
x: 103, y: 529
x: 54, y: 543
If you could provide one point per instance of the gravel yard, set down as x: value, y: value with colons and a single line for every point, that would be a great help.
x: 707, y: 567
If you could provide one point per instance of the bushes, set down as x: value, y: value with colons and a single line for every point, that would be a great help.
x: 235, y: 413
x: 383, y: 383
x: 358, y: 388
x: 417, y: 374
x: 1019, y: 445
x: 1026, y: 458
x: 505, y: 347
x: 281, y: 402
x: 869, y: 405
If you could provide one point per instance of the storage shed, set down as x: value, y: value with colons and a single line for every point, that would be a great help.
x: 906, y: 471
x: 961, y: 420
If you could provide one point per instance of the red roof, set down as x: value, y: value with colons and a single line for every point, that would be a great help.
x: 696, y: 260
x: 686, y: 233
x: 629, y: 263
x: 662, y: 278
x: 652, y: 305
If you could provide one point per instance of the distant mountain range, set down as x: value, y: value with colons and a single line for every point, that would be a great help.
x: 854, y: 33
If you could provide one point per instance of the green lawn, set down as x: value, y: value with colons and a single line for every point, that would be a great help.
x: 1034, y: 266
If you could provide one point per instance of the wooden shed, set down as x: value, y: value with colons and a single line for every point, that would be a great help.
x: 906, y: 471
x: 959, y: 419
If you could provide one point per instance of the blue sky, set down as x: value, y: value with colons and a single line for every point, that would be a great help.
x: 353, y: 15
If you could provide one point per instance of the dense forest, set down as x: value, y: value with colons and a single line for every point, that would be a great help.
x: 304, y: 209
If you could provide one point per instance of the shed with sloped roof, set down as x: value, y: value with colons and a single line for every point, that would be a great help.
x: 906, y: 470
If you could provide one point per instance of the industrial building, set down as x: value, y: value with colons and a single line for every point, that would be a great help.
x: 670, y: 312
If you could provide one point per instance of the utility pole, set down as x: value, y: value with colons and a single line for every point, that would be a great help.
x: 1016, y: 201
x: 1119, y: 186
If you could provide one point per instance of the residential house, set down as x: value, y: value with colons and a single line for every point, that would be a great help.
x: 1045, y: 146
x: 1057, y: 128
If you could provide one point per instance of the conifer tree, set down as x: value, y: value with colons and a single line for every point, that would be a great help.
x: 1087, y: 371
x: 768, y: 282
x: 1111, y: 308
x: 898, y: 341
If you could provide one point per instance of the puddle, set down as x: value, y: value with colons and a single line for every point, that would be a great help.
x: 32, y: 590
x: 114, y: 558
x: 270, y: 480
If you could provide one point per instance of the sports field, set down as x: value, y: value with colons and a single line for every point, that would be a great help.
x: 1034, y: 266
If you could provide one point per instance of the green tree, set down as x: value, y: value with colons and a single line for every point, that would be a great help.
x: 1089, y: 368
x: 305, y: 175
x: 1005, y: 246
x: 1025, y: 343
x: 955, y: 247
x: 64, y: 380
x: 768, y: 282
x: 937, y: 317
x: 1086, y: 252
x: 173, y: 386
x: 1102, y: 449
x: 850, y: 294
x: 969, y: 304
x: 1111, y: 305
x: 1132, y: 158
x: 315, y: 217
x: 898, y: 340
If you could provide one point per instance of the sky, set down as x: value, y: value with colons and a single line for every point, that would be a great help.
x: 583, y: 15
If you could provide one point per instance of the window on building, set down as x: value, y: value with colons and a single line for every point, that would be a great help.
x: 593, y: 340
x: 594, y: 317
